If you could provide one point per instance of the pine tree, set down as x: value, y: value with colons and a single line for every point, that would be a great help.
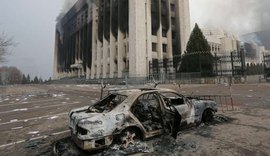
x: 24, y: 79
x: 28, y: 79
x: 35, y: 80
x: 197, y: 57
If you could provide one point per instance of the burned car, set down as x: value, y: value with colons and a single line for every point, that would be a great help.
x: 139, y: 113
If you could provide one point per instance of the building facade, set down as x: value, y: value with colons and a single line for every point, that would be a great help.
x: 234, y: 54
x: 226, y: 47
x: 113, y: 38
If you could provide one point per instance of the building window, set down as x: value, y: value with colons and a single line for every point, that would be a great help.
x: 164, y: 33
x: 172, y: 7
x: 154, y: 47
x: 164, y: 48
x: 154, y: 32
x: 173, y: 20
x: 173, y: 34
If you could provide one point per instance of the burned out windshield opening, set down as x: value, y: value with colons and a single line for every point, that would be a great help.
x: 107, y: 104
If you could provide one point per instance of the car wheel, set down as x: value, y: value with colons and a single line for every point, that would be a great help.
x: 128, y: 137
x: 207, y: 116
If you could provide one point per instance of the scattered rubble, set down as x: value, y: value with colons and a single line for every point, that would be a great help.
x: 34, y: 144
x: 58, y: 95
x: 162, y: 145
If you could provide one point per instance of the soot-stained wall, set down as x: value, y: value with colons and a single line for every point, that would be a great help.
x: 74, y: 38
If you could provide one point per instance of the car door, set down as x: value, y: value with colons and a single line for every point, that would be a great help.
x: 147, y: 110
x: 171, y: 117
x: 181, y: 103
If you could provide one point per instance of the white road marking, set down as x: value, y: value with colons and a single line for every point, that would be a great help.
x: 59, y: 133
x: 33, y: 132
x: 15, y: 128
x: 13, y: 120
x: 30, y: 119
x: 33, y: 139
x: 25, y: 109
x: 40, y: 101
x: 53, y: 117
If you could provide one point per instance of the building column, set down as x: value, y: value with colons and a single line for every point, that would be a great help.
x: 120, y: 52
x: 94, y: 40
x: 169, y: 39
x: 55, y: 65
x: 88, y: 69
x: 159, y: 44
x: 112, y: 45
x: 169, y: 33
x: 99, y: 57
x: 137, y: 38
x: 149, y: 35
x: 105, y: 57
x: 112, y: 55
x: 183, y: 15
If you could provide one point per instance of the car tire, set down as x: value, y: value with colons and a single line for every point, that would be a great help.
x: 207, y: 116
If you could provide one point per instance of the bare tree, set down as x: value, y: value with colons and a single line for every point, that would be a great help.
x: 5, y: 43
x: 10, y: 75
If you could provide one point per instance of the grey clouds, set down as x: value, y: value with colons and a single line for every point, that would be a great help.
x: 238, y: 16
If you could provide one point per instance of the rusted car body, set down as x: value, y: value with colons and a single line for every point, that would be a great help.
x: 138, y: 113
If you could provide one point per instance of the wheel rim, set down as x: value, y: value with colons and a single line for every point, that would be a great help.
x: 127, y: 138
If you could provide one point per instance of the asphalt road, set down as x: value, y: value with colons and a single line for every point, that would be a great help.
x: 32, y: 118
x: 27, y: 118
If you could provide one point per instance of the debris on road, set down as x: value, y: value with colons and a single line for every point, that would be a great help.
x: 34, y: 144
x: 162, y: 145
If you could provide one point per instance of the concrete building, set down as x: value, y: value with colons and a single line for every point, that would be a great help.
x: 220, y: 41
x: 254, y: 53
x: 113, y: 38
x: 226, y: 47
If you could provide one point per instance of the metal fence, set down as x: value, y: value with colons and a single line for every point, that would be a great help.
x: 225, y: 102
x: 223, y: 64
x: 226, y: 67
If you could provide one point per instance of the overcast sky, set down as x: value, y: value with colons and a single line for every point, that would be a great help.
x: 32, y: 24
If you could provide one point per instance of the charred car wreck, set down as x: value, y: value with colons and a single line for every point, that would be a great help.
x: 139, y: 113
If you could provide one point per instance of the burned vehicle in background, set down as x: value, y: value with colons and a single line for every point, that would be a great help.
x: 139, y: 113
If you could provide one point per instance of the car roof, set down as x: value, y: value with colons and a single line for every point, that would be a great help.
x: 128, y: 92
